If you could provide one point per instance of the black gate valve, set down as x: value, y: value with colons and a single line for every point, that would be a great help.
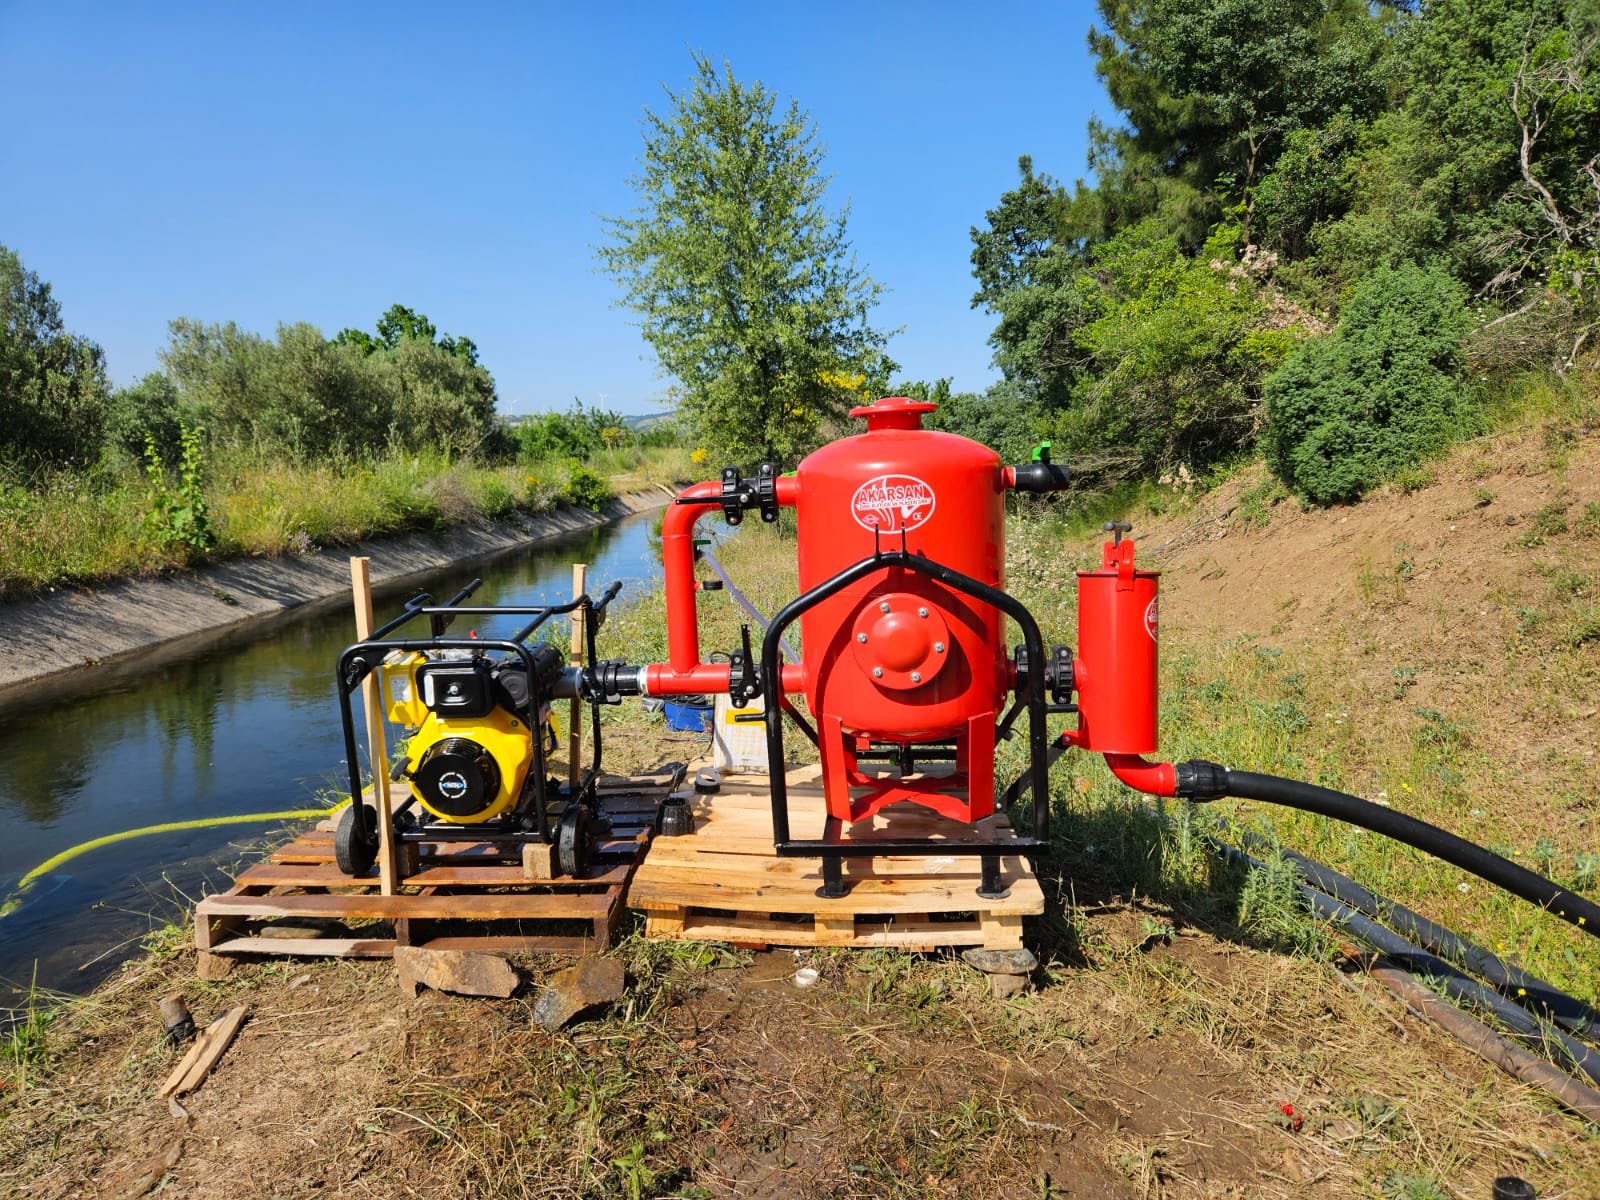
x: 744, y: 679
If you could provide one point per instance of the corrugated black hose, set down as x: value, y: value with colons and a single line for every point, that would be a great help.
x: 1528, y: 990
x: 1201, y: 781
x: 1460, y: 987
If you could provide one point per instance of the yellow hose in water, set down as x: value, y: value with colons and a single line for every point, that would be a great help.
x: 14, y: 901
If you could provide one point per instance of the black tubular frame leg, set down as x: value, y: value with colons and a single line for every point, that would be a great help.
x: 832, y: 847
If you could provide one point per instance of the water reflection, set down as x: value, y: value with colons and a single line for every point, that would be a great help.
x: 249, y: 726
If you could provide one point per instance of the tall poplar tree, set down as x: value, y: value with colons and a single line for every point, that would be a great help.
x: 743, y: 279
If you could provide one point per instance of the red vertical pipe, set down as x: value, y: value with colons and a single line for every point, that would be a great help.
x: 677, y: 558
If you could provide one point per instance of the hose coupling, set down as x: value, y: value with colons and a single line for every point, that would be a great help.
x: 1200, y: 780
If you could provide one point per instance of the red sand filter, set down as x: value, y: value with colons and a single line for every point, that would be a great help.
x: 896, y: 657
x: 1115, y: 672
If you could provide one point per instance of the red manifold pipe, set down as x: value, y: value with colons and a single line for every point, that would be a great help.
x: 684, y: 674
x: 704, y: 678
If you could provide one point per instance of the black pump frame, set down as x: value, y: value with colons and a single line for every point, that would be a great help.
x: 360, y: 659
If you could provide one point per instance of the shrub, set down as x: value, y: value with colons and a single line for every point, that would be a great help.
x: 1346, y: 411
x: 587, y: 488
x: 148, y: 412
x: 177, y: 516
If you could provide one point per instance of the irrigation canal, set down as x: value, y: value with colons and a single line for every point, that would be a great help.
x: 245, y: 727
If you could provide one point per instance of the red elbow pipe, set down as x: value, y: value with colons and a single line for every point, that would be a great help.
x: 1155, y: 779
x: 677, y: 560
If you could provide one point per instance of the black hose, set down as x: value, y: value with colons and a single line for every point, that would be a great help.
x: 1458, y: 986
x: 1201, y: 781
x: 1528, y: 990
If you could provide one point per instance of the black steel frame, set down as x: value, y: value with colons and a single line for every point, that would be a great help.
x: 832, y: 848
x: 360, y: 659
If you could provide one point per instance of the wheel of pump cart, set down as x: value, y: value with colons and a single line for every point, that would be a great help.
x: 574, y: 841
x: 355, y: 854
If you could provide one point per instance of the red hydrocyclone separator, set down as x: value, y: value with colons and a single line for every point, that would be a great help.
x: 1115, y: 671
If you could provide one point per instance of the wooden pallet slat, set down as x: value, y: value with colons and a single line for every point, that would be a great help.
x: 724, y: 882
x: 479, y: 891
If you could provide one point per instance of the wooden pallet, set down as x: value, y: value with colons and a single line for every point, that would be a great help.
x: 461, y: 896
x: 723, y: 882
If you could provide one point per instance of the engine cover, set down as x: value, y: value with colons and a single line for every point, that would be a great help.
x: 457, y: 779
x: 467, y: 771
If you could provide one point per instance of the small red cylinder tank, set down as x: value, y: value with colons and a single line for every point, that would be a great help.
x: 1115, y: 671
x: 897, y: 657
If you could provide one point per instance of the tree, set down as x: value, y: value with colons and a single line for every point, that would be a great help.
x: 53, y: 386
x: 744, y: 282
x: 1020, y: 230
x: 1211, y: 90
x: 401, y: 324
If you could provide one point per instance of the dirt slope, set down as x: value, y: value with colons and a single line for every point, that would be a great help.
x: 1475, y: 596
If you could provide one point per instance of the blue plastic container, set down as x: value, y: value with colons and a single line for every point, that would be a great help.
x: 692, y: 714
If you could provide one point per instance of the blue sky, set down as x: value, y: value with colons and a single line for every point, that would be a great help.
x: 264, y: 163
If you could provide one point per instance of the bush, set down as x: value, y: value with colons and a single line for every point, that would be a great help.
x: 587, y: 488
x: 304, y: 397
x: 148, y: 412
x: 577, y: 433
x: 1346, y: 411
x: 1174, y: 359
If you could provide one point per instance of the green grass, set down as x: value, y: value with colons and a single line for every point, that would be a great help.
x: 88, y: 527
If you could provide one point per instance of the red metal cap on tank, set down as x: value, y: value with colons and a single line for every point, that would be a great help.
x: 894, y: 412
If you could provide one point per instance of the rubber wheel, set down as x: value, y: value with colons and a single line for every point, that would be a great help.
x: 574, y: 841
x: 355, y: 854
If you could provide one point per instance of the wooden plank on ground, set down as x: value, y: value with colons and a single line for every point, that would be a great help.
x: 491, y: 907
x: 309, y: 947
x: 208, y: 1047
x: 328, y: 875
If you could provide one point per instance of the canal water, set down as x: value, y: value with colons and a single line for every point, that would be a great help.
x: 248, y: 727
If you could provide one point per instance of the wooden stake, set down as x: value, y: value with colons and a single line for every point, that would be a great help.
x: 580, y: 580
x: 388, y: 872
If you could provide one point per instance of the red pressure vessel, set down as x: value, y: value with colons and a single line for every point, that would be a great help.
x: 1115, y: 671
x: 896, y: 657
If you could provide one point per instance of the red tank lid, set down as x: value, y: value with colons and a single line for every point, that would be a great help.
x: 894, y: 412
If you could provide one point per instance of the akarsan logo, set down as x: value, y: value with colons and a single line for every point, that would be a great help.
x: 892, y: 503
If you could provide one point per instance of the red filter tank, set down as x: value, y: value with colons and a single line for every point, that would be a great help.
x: 1115, y: 672
x: 897, y: 657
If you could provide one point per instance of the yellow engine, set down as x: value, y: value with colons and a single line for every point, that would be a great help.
x: 469, y: 753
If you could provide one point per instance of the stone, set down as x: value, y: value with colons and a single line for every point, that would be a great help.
x: 1003, y: 987
x: 1001, y: 962
x: 465, y: 972
x: 213, y: 966
x: 593, y: 982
